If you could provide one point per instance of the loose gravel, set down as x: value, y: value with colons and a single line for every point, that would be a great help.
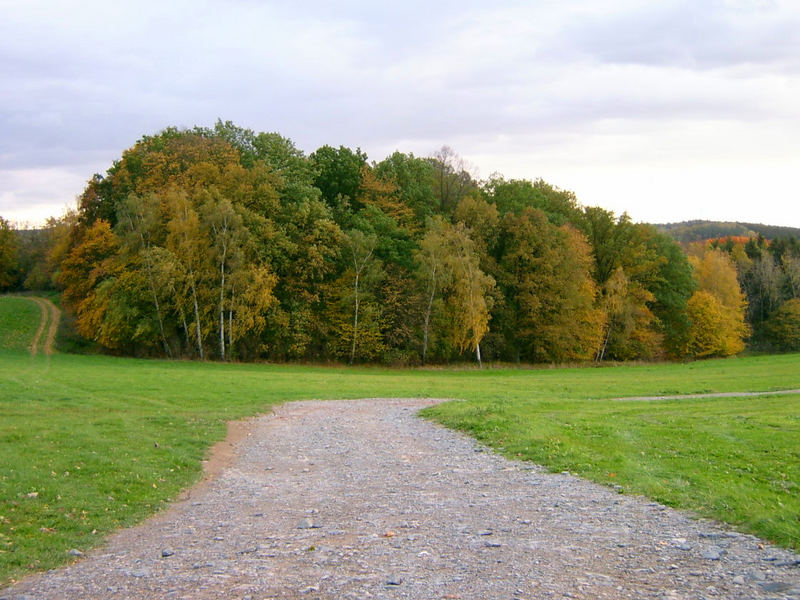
x: 362, y: 499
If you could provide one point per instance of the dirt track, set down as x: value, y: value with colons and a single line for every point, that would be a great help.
x: 362, y: 499
x: 49, y: 320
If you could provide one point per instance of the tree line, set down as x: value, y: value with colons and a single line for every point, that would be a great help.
x: 222, y: 243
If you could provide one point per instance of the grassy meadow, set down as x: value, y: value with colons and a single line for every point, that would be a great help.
x: 19, y: 318
x: 92, y: 443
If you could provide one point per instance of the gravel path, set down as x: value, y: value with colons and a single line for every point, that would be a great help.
x: 361, y: 499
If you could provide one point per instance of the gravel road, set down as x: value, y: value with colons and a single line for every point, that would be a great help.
x: 362, y: 499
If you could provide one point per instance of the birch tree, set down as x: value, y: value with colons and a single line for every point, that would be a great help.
x: 185, y: 241
x: 469, y: 296
x: 433, y: 271
x: 227, y: 236
x: 360, y: 249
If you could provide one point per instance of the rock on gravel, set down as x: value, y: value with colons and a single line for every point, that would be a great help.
x: 464, y: 524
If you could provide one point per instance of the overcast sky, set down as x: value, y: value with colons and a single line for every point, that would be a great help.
x: 669, y: 110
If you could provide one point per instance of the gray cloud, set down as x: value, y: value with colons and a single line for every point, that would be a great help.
x: 81, y: 81
x: 697, y: 35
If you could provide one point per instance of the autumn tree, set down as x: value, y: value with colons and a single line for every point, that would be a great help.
x: 548, y: 294
x: 482, y: 222
x: 716, y: 330
x: 629, y: 331
x: 717, y: 309
x: 90, y: 264
x: 184, y: 242
x: 469, y: 297
x: 631, y: 266
x: 384, y: 195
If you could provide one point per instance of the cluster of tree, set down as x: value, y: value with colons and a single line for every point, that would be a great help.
x: 769, y: 273
x: 228, y: 244
x: 687, y: 232
x: 9, y: 260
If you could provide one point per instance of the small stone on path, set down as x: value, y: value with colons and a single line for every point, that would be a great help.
x: 713, y: 553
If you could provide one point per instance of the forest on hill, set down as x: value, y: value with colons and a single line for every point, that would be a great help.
x: 686, y: 232
x: 223, y: 243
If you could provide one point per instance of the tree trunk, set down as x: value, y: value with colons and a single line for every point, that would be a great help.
x: 428, y: 318
x: 478, y: 354
x: 602, y: 352
x: 230, y: 322
x: 179, y: 306
x: 355, y: 322
x: 196, y: 317
x: 222, y: 303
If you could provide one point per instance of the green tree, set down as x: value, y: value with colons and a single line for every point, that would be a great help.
x: 360, y: 251
x: 433, y: 271
x: 338, y: 175
x: 763, y: 283
x: 304, y: 255
x: 513, y: 195
x: 451, y: 180
x: 227, y: 236
x: 784, y: 326
x: 413, y: 178
x: 8, y: 255
x: 791, y: 269
x: 672, y: 287
x: 138, y: 220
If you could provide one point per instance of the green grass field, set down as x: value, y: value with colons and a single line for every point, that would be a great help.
x: 19, y: 318
x: 78, y: 434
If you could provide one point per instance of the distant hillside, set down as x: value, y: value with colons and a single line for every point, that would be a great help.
x: 693, y: 231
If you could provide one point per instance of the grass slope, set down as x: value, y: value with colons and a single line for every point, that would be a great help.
x: 78, y: 434
x: 19, y: 320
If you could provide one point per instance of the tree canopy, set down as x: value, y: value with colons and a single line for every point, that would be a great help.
x: 227, y: 244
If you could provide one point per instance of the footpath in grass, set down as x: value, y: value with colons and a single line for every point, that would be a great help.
x: 89, y: 443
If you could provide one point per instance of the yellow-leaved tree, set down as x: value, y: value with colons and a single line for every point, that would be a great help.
x: 717, y: 308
